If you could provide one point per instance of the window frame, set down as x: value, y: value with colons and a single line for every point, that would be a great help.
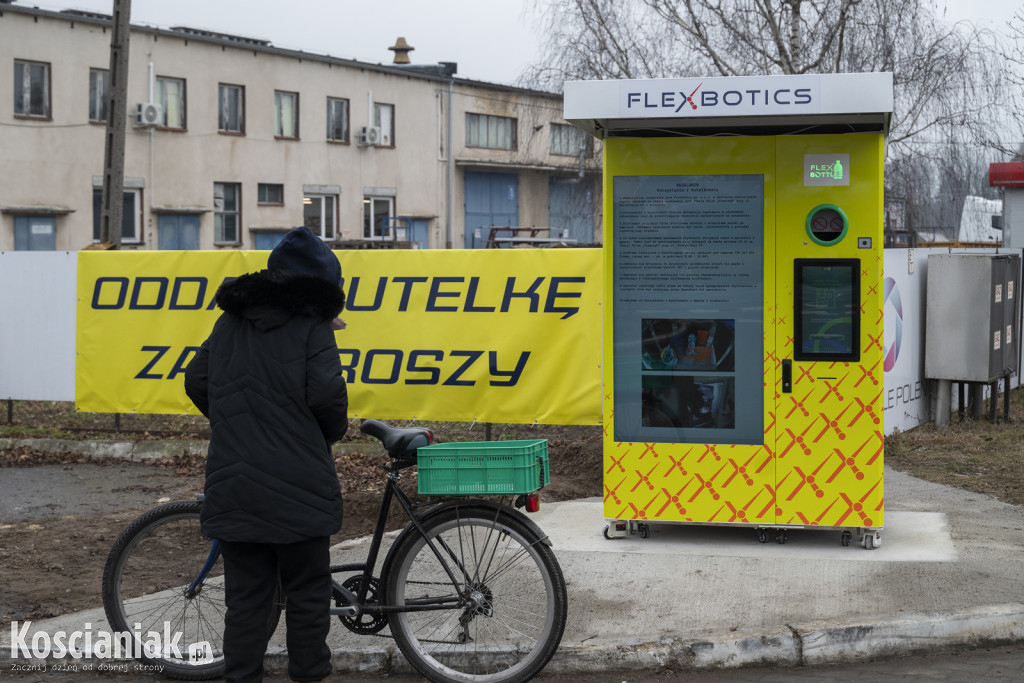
x: 279, y: 97
x: 369, y: 202
x: 30, y: 221
x: 97, y: 215
x: 346, y: 119
x: 223, y: 89
x: 310, y: 198
x: 219, y: 214
x: 46, y: 115
x: 161, y: 99
x: 565, y: 131
x: 101, y: 115
x: 387, y: 132
x: 260, y: 191
x: 472, y: 131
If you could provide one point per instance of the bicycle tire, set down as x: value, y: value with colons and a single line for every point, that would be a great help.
x: 149, y: 567
x: 515, y: 626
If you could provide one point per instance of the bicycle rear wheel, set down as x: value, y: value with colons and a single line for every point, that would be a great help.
x: 514, y: 612
x: 146, y: 582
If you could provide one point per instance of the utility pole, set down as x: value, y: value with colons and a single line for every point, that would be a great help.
x: 112, y: 207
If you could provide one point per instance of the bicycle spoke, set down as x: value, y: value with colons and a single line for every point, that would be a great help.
x: 513, y: 611
x: 152, y: 564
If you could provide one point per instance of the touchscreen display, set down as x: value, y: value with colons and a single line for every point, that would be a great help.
x: 827, y: 309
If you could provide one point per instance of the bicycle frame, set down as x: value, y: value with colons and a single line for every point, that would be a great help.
x: 392, y: 491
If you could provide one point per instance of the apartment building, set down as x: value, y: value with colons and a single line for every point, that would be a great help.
x: 232, y: 141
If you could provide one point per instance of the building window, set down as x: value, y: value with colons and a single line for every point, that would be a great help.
x: 35, y: 233
x: 319, y: 214
x: 384, y: 118
x: 170, y: 95
x: 31, y: 89
x: 270, y: 193
x: 99, y: 81
x: 377, y: 212
x: 232, y: 109
x: 131, y: 216
x: 227, y: 212
x: 570, y: 141
x: 337, y: 119
x: 495, y: 132
x: 286, y: 114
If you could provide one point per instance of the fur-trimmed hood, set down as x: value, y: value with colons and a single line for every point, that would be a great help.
x: 270, y: 297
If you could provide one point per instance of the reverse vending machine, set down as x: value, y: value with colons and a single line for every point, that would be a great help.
x: 743, y: 339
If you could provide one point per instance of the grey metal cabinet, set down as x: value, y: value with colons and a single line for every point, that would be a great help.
x: 972, y: 317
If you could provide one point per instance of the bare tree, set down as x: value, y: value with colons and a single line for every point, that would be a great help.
x: 1014, y: 54
x: 953, y: 87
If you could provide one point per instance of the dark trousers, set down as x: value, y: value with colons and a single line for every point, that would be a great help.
x: 251, y: 572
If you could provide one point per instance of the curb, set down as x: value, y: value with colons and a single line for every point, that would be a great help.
x: 131, y: 451
x: 813, y: 644
x: 996, y: 625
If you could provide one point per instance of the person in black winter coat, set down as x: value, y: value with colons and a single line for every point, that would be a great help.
x: 269, y: 379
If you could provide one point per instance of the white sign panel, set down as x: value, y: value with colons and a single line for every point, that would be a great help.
x: 37, y: 338
x: 906, y: 402
x: 743, y: 96
x: 680, y: 98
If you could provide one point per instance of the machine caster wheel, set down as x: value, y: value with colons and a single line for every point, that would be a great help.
x: 616, y: 529
x: 762, y: 536
x: 847, y: 536
x: 872, y: 540
x: 780, y: 537
x: 644, y: 530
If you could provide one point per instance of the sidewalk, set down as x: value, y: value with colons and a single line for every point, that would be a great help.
x: 950, y: 573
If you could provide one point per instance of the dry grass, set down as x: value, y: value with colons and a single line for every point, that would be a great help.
x: 975, y: 455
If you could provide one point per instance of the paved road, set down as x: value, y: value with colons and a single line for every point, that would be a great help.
x: 990, y: 665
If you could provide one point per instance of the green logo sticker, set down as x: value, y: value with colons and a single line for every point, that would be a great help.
x: 826, y: 169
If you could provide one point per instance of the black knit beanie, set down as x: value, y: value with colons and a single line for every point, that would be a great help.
x: 304, y: 253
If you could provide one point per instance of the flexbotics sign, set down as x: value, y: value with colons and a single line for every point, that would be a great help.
x: 742, y: 96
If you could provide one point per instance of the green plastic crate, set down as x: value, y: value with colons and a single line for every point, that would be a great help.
x: 483, y: 468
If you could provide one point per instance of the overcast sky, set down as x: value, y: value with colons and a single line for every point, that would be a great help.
x: 492, y: 40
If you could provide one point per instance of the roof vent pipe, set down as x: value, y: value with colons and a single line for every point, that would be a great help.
x: 401, y: 50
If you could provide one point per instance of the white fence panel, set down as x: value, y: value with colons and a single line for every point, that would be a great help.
x: 37, y: 335
x: 907, y: 398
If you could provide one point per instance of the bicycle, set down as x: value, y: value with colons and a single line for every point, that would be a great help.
x: 470, y: 587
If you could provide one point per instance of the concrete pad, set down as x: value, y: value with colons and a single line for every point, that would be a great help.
x: 576, y: 526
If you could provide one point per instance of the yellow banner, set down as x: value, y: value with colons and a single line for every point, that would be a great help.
x: 504, y: 335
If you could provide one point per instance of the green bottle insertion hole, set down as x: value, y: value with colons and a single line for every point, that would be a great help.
x: 827, y: 224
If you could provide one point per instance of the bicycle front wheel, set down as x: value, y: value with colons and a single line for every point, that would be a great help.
x: 150, y: 585
x: 503, y: 618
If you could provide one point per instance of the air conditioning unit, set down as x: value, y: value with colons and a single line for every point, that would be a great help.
x: 148, y: 114
x: 369, y: 135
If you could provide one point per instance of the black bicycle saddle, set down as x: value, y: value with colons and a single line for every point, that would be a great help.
x: 399, y: 442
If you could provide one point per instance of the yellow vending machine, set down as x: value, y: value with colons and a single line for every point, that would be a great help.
x: 743, y: 339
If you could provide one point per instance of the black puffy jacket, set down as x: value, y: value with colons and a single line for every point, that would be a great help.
x: 269, y: 378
